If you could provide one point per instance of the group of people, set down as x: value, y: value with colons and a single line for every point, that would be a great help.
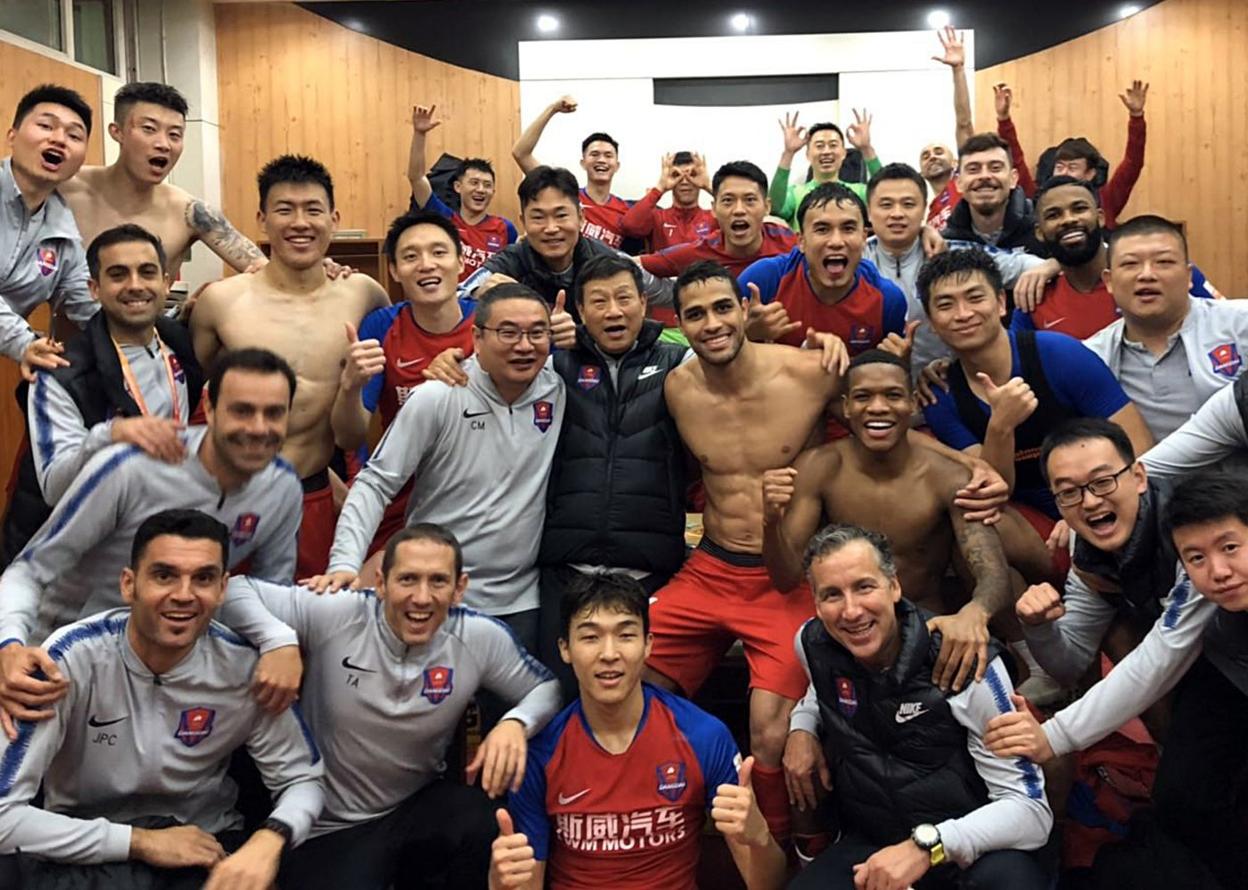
x: 948, y: 431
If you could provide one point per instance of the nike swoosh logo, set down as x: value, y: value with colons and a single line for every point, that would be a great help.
x: 1053, y: 324
x: 564, y: 801
x: 407, y: 364
x: 346, y: 663
x: 906, y: 718
x: 91, y: 721
x: 468, y: 413
x: 649, y: 372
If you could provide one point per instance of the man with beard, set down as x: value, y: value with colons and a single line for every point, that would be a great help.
x: 481, y: 234
x: 231, y: 471
x: 993, y: 213
x: 293, y: 307
x: 825, y: 152
x: 1169, y: 350
x: 45, y: 261
x: 741, y: 206
x: 684, y: 175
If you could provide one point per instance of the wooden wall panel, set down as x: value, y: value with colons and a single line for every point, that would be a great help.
x: 1194, y: 53
x: 20, y: 70
x: 290, y: 81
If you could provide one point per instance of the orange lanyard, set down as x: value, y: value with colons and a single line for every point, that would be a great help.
x: 132, y: 385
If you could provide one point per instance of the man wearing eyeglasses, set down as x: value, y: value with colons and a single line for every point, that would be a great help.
x: 1125, y: 565
x: 479, y: 458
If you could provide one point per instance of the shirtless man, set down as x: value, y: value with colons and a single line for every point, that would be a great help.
x: 149, y: 124
x: 291, y: 307
x: 904, y: 485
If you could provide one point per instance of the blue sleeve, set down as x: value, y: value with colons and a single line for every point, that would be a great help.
x: 437, y: 205
x: 1198, y: 284
x: 895, y: 309
x: 712, y: 744
x: 375, y: 326
x: 766, y: 275
x: 1021, y: 321
x: 512, y: 237
x: 528, y: 805
x: 946, y: 424
x: 1078, y: 376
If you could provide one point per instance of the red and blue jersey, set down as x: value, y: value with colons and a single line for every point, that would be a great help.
x: 1068, y: 311
x: 873, y: 308
x: 665, y: 227
x: 480, y: 242
x: 941, y: 208
x: 671, y: 262
x: 629, y: 821
x: 409, y: 348
x: 604, y: 221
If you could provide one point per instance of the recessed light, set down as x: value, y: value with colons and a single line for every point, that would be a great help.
x: 1129, y: 10
x: 547, y: 23
x: 938, y: 18
x: 740, y: 22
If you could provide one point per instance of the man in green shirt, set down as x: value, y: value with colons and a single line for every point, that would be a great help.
x: 825, y: 151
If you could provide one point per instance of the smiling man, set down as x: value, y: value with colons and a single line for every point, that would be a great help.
x: 156, y: 683
x: 993, y: 213
x: 390, y: 673
x: 292, y: 307
x: 825, y: 152
x: 919, y: 801
x: 132, y: 377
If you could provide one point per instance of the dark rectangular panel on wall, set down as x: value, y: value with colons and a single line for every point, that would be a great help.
x: 785, y: 89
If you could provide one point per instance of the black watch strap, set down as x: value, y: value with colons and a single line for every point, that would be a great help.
x: 281, y: 828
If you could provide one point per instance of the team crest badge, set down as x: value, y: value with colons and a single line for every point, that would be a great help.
x: 846, y: 696
x: 178, y: 374
x: 862, y: 336
x: 438, y: 684
x: 45, y: 259
x: 244, y: 528
x: 1226, y: 360
x: 671, y: 777
x: 543, y: 415
x: 588, y: 377
x: 494, y: 243
x: 194, y: 726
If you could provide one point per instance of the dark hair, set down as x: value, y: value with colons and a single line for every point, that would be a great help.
x: 54, y: 95
x: 742, y: 170
x: 832, y: 538
x: 958, y: 264
x: 1146, y: 224
x: 824, y: 125
x: 1057, y: 182
x: 147, y: 91
x: 891, y: 172
x: 606, y: 265
x: 259, y: 361
x: 1206, y: 497
x: 422, y: 531
x: 191, y: 524
x: 475, y: 164
x: 603, y: 590
x: 419, y: 218
x: 985, y: 142
x: 510, y: 290
x: 830, y: 193
x: 541, y: 178
x: 681, y: 158
x: 878, y: 357
x: 298, y: 169
x: 122, y: 234
x: 702, y: 270
x: 598, y: 137
x: 1076, y: 148
x: 1080, y: 429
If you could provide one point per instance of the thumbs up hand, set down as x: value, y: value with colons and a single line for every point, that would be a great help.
x: 901, y: 346
x: 562, y: 326
x: 768, y: 321
x: 735, y: 811
x: 1012, y: 402
x: 363, y: 359
x: 1017, y: 733
x: 512, y: 863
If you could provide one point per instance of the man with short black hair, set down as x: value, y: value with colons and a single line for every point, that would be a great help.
x: 132, y: 377
x: 684, y: 175
x: 481, y: 234
x: 993, y: 213
x: 132, y: 758
x: 916, y: 791
x: 825, y: 151
x: 45, y: 256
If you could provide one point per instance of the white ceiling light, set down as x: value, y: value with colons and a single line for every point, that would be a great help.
x: 740, y: 22
x: 1129, y: 10
x: 547, y: 23
x: 937, y: 19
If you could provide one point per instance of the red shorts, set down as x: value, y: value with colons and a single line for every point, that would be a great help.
x: 316, y: 532
x: 1043, y: 523
x: 719, y: 596
x: 393, y: 520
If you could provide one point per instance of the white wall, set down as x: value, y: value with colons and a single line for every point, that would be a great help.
x: 892, y: 74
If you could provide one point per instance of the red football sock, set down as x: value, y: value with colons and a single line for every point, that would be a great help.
x: 773, y: 799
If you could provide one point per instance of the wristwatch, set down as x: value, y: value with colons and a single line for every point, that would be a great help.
x: 927, y: 838
x: 280, y: 827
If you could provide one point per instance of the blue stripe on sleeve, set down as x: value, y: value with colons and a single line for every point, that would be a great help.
x: 307, y: 732
x: 79, y: 497
x: 539, y: 670
x: 1178, y: 598
x: 14, y: 755
x: 44, y: 442
x: 1031, y: 775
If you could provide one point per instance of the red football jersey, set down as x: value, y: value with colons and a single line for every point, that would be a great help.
x: 667, y: 226
x: 941, y: 208
x: 483, y: 240
x: 671, y: 262
x: 1070, y: 312
x: 603, y: 221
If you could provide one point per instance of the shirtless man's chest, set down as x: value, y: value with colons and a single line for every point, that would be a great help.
x: 162, y: 212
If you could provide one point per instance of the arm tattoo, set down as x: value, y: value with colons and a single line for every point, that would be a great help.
x: 981, y: 548
x: 216, y: 231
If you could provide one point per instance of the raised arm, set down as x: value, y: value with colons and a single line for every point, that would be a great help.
x: 522, y: 151
x: 1012, y: 402
x: 954, y: 56
x: 211, y: 227
x: 794, y: 141
x: 417, y: 168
